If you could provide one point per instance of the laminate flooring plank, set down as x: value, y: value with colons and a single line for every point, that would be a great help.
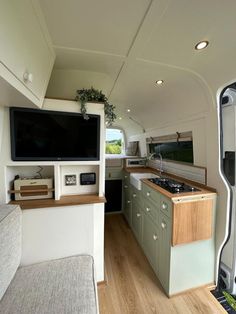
x: 132, y: 286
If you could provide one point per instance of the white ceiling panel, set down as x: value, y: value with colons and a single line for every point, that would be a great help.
x: 185, y: 23
x: 151, y: 104
x: 104, y: 25
x: 86, y: 61
x: 123, y: 47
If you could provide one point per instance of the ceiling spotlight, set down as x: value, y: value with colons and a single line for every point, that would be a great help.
x: 128, y: 110
x: 159, y: 82
x: 201, y: 45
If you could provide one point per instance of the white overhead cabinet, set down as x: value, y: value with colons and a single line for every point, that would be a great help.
x: 26, y: 56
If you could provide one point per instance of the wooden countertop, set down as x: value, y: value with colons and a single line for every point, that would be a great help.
x: 68, y: 200
x: 204, y: 190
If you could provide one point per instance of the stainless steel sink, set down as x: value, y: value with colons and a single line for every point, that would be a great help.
x: 135, y: 178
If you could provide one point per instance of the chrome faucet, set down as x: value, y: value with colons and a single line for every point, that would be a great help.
x: 161, y: 164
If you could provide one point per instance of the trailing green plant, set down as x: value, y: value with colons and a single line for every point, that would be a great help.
x: 94, y: 95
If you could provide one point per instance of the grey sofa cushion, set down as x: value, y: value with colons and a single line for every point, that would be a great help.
x: 60, y: 286
x: 10, y: 244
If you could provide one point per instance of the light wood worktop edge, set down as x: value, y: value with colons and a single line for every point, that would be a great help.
x: 67, y: 200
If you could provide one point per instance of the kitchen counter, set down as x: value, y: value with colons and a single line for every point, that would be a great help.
x: 176, y: 231
x: 204, y: 190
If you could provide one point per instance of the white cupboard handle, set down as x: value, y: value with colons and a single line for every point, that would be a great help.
x: 138, y: 215
x: 164, y: 205
x: 134, y: 195
x: 154, y: 237
x: 163, y: 225
x: 28, y: 77
x: 126, y: 177
x: 126, y: 186
x: 148, y: 209
x: 148, y: 193
x: 128, y: 202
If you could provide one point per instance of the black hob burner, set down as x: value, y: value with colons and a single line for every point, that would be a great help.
x: 173, y: 186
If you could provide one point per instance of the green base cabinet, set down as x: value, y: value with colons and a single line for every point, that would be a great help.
x: 137, y: 214
x: 180, y: 267
x: 127, y: 208
x: 150, y: 241
x: 163, y: 270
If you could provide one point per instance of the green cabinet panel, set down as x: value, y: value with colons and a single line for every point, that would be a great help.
x: 166, y: 206
x: 137, y: 221
x: 127, y: 198
x: 128, y: 210
x: 164, y: 251
x: 151, y: 209
x: 150, y: 241
x: 151, y: 194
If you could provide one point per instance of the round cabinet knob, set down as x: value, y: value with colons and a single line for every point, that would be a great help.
x: 148, y: 209
x: 154, y: 237
x: 126, y: 186
x: 134, y: 195
x: 138, y: 215
x: 148, y: 193
x: 163, y: 225
x: 164, y: 205
x: 128, y: 202
x: 28, y: 77
x: 126, y: 177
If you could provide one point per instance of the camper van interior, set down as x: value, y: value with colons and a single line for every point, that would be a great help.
x: 117, y: 157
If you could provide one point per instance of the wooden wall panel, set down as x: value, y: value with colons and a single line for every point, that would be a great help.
x: 192, y: 221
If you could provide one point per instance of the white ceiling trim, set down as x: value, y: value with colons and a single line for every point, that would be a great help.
x: 89, y: 51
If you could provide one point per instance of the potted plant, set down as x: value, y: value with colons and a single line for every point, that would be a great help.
x: 94, y: 95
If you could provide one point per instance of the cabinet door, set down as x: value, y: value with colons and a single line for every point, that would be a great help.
x: 128, y: 210
x: 151, y: 209
x: 24, y: 48
x: 137, y: 221
x: 164, y: 251
x: 150, y: 241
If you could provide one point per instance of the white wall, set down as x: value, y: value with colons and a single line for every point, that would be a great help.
x: 1, y: 125
x: 64, y: 83
x: 57, y: 232
x: 50, y: 233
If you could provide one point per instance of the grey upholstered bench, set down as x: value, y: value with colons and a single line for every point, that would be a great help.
x: 60, y: 286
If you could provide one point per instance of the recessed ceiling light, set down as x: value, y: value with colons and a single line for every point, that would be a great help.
x: 120, y: 118
x: 128, y: 110
x: 201, y: 45
x: 159, y: 82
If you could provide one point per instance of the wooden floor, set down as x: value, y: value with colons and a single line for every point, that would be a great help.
x: 132, y: 287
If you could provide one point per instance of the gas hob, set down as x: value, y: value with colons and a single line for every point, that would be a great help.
x: 173, y: 186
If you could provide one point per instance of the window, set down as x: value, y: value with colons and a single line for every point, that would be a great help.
x: 178, y: 151
x: 177, y: 146
x: 114, y: 141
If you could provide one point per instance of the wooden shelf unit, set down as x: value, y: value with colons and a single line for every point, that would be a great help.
x: 67, y: 200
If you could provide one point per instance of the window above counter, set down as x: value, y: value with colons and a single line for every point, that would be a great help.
x: 176, y: 147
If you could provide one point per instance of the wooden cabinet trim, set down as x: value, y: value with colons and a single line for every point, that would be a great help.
x: 192, y: 221
x: 68, y: 200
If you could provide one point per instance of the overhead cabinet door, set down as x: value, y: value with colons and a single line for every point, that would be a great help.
x: 24, y: 51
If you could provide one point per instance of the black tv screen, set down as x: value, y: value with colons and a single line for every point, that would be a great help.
x: 53, y: 135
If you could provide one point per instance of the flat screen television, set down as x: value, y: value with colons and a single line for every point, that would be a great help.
x: 53, y: 135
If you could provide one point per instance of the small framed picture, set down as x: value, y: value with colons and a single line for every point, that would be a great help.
x: 70, y: 179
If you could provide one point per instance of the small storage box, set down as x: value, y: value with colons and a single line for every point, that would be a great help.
x: 31, y: 189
